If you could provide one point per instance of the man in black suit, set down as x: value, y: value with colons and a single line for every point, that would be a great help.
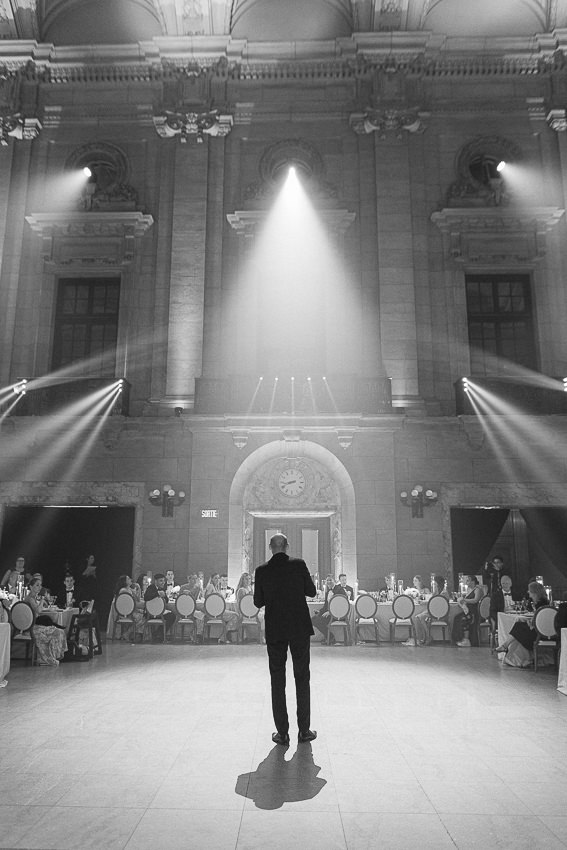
x: 281, y: 585
x: 344, y: 588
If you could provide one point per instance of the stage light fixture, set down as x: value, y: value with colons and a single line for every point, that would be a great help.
x: 20, y: 387
x: 87, y: 172
x: 465, y: 384
x: 565, y: 385
x: 501, y: 166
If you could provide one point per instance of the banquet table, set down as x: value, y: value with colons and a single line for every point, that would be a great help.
x: 61, y: 616
x: 562, y: 676
x: 4, y: 652
x: 385, y: 612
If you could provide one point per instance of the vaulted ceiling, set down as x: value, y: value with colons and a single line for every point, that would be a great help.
x: 65, y: 22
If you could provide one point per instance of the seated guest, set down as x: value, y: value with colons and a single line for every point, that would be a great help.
x: 50, y: 639
x: 125, y: 585
x: 420, y: 586
x: 192, y: 587
x: 213, y: 585
x: 244, y: 586
x: 320, y: 619
x: 344, y: 588
x: 157, y: 588
x: 136, y: 592
x: 224, y: 589
x: 420, y: 620
x: 66, y: 596
x: 520, y: 643
x: 501, y: 598
x: 465, y: 620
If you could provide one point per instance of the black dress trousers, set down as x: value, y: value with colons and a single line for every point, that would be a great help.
x: 277, y: 655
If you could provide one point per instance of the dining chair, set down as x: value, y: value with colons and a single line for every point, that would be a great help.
x: 438, y: 617
x: 485, y: 624
x: 339, y: 609
x: 154, y: 616
x: 185, y: 608
x: 403, y: 608
x: 248, y: 617
x: 215, y: 606
x: 22, y: 619
x: 124, y: 607
x: 547, y: 637
x: 86, y: 621
x: 365, y: 612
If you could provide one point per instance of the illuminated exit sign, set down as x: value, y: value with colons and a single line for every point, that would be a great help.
x: 209, y: 513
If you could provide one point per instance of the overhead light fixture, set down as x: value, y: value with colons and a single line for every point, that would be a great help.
x: 166, y: 499
x: 418, y: 499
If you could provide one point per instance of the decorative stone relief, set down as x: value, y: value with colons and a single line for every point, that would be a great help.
x: 264, y: 491
x: 108, y: 187
x: 557, y: 120
x: 387, y: 121
x: 478, y: 183
x: 491, y: 237
x: 89, y: 239
x: 198, y: 124
x: 19, y: 127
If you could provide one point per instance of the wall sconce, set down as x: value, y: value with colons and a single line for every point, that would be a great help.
x: 418, y: 499
x: 166, y: 499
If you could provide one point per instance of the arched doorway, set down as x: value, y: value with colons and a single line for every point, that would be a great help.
x: 302, y: 489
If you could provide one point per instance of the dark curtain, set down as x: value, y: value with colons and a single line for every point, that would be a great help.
x: 55, y: 539
x: 474, y: 531
x: 548, y: 528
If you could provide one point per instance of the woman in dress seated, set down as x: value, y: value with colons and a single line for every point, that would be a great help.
x: 520, y: 643
x: 126, y: 585
x: 213, y: 585
x: 50, y: 639
x: 465, y: 620
x: 243, y: 587
x: 421, y: 588
x: 420, y: 620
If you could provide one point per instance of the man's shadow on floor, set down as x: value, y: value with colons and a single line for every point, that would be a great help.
x: 277, y: 781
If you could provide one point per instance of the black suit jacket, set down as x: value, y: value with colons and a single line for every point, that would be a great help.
x: 281, y: 585
x: 346, y: 590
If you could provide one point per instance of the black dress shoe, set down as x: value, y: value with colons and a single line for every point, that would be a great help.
x: 280, y: 739
x: 305, y: 737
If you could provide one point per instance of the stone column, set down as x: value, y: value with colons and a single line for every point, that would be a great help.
x: 213, y: 365
x: 14, y: 182
x: 396, y: 266
x: 187, y: 279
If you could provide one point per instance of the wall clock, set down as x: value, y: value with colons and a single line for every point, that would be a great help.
x: 291, y: 482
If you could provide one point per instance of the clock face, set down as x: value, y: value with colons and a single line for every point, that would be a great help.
x: 291, y: 482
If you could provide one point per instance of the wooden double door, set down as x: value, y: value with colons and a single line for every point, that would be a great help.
x: 308, y: 538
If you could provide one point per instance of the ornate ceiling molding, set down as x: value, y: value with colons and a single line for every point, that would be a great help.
x: 384, y: 122
x: 198, y: 124
x: 245, y: 222
x: 497, y: 236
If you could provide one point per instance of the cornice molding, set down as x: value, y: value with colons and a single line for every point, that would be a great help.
x: 90, y: 238
x: 496, y: 236
x: 415, y: 54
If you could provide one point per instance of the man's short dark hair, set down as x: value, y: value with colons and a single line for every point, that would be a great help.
x: 158, y: 575
x: 341, y: 575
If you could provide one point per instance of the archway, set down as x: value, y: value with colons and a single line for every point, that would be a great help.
x: 260, y: 491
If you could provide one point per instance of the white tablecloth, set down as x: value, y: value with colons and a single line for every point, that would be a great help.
x: 505, y: 623
x: 61, y: 616
x: 562, y: 677
x: 4, y: 651
x: 384, y: 613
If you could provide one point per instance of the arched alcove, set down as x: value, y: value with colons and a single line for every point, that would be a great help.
x: 328, y: 473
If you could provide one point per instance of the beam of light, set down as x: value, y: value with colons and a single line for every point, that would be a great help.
x: 101, y: 412
x: 293, y: 295
x: 273, y: 398
x: 522, y: 445
x: 40, y: 431
x: 62, y: 191
x: 64, y: 441
x: 292, y: 392
x: 332, y: 398
x: 250, y: 408
x: 90, y: 366
x: 501, y: 368
x: 523, y: 182
x: 10, y: 407
x: 501, y: 166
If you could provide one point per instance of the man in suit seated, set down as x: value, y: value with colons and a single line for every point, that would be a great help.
x: 344, y: 588
x: 157, y: 588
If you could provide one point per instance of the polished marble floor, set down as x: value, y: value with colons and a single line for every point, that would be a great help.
x: 169, y: 747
